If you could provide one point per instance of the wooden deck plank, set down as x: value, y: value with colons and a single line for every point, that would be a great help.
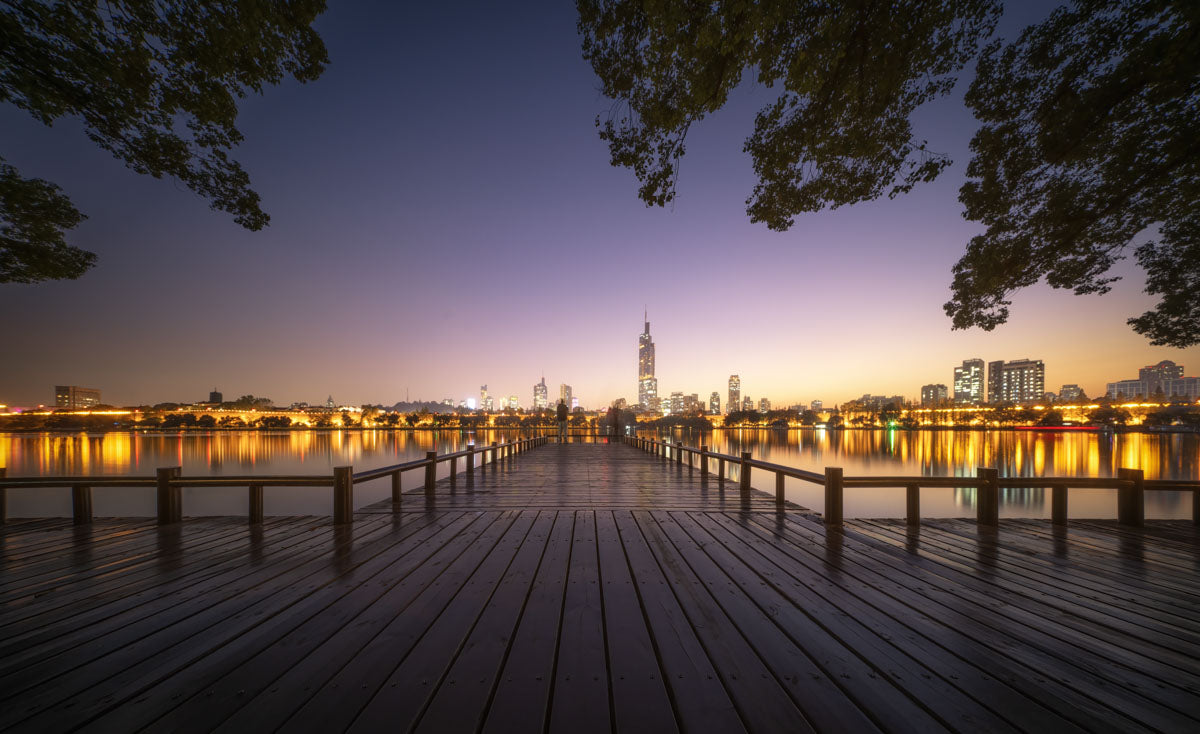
x: 594, y: 587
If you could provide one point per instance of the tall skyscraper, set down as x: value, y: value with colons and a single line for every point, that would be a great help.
x: 485, y: 400
x: 215, y: 397
x: 968, y: 382
x: 714, y: 403
x: 647, y: 382
x: 541, y: 397
x: 564, y: 393
x: 1018, y: 381
x: 735, y: 393
x: 764, y: 405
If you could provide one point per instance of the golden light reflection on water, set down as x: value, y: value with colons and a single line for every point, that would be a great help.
x: 961, y: 453
x: 227, y: 452
x: 923, y: 453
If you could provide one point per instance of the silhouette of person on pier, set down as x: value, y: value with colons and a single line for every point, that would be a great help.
x: 562, y: 421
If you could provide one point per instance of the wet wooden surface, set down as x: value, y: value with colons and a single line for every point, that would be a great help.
x: 587, y: 588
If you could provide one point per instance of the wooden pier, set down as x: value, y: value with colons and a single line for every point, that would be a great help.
x: 597, y: 588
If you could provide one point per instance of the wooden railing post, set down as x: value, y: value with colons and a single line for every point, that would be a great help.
x: 453, y: 472
x: 912, y: 502
x: 396, y: 486
x: 703, y: 462
x: 81, y: 504
x: 494, y: 462
x: 1195, y: 505
x: 168, y: 495
x: 987, y: 501
x: 430, y: 472
x: 1058, y: 505
x: 3, y: 497
x: 779, y: 488
x: 744, y: 477
x: 1131, y: 504
x: 679, y: 454
x: 833, y: 495
x: 470, y: 457
x: 343, y: 495
x: 721, y: 469
x: 256, y: 504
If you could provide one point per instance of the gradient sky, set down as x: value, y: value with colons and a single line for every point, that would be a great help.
x: 444, y: 216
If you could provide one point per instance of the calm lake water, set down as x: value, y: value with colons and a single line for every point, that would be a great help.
x: 917, y: 453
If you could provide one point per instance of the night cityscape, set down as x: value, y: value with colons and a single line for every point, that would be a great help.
x: 600, y: 366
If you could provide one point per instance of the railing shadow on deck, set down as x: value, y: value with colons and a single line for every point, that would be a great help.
x: 1130, y: 484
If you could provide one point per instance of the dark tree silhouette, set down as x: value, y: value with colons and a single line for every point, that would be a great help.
x: 155, y: 84
x: 1090, y: 130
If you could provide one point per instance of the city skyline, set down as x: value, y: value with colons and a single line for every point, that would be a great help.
x: 386, y: 272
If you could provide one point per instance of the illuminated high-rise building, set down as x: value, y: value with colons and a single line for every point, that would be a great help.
x: 747, y: 404
x: 735, y: 393
x: 714, y: 403
x: 564, y: 394
x: 541, y: 397
x: 1020, y: 381
x: 764, y: 405
x: 816, y: 406
x: 647, y: 382
x: 968, y: 382
x: 513, y: 402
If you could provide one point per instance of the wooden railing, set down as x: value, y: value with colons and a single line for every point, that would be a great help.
x: 1130, y: 484
x: 169, y: 483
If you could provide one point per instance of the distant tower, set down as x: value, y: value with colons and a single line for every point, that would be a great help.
x: 714, y: 403
x: 735, y: 393
x: 564, y: 394
x: 541, y: 398
x: 215, y: 397
x: 329, y: 403
x: 647, y: 382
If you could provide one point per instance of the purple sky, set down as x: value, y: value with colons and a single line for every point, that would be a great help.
x: 444, y: 216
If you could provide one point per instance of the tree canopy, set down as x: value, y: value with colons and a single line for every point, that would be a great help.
x: 155, y: 84
x: 1089, y: 137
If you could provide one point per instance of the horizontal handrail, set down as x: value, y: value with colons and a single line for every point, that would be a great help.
x: 1130, y: 484
x: 169, y: 483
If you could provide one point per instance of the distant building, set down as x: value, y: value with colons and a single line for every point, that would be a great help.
x: 675, y: 405
x: 934, y: 395
x: 620, y: 404
x: 968, y: 382
x: 647, y: 383
x: 1070, y: 393
x: 486, y: 402
x: 541, y: 397
x: 764, y: 405
x: 564, y: 393
x: 329, y: 403
x: 574, y: 403
x: 72, y: 397
x: 714, y: 403
x: 735, y: 393
x: 747, y: 404
x: 1156, y: 376
x: 513, y: 402
x: 215, y: 397
x: 875, y: 402
x: 1021, y: 381
x: 816, y: 406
